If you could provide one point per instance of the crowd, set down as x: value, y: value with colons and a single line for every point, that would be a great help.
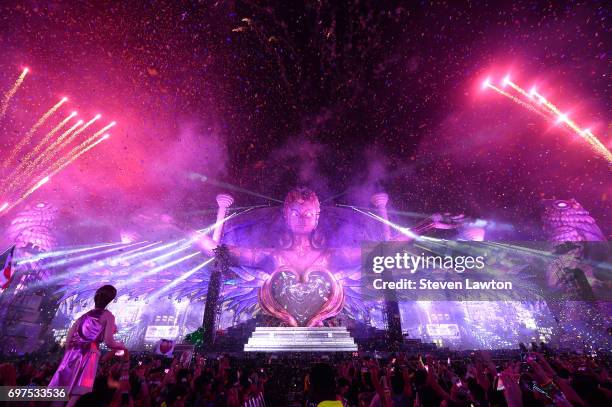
x: 526, y: 377
x: 521, y: 378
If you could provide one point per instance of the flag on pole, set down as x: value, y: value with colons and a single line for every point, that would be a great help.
x: 6, y: 262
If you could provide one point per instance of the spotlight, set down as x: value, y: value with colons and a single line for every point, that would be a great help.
x: 486, y: 83
x: 562, y: 118
x: 506, y: 81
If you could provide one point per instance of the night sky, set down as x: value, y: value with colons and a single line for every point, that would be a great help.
x: 345, y: 97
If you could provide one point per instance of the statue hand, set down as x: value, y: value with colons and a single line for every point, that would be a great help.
x: 204, y: 242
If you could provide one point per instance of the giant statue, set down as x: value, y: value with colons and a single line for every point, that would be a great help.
x: 302, y: 281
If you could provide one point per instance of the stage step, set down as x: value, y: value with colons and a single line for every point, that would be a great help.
x: 300, y: 339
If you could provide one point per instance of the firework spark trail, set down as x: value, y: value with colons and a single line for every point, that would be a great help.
x: 29, y: 192
x: 519, y: 102
x: 62, y: 141
x: 74, y: 154
x: 54, y: 172
x: 31, y: 132
x: 11, y: 92
x: 40, y: 160
x: 45, y: 139
x: 518, y: 88
x: 597, y: 145
x: 81, y: 146
x: 25, y: 164
x: 72, y: 136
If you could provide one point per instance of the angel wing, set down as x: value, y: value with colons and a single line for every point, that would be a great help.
x: 241, y: 292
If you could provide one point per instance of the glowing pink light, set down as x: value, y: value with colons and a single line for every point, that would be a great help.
x: 562, y: 118
x: 73, y: 113
x: 98, y: 116
x: 64, y: 99
x: 104, y: 137
x: 506, y: 81
x: 4, y: 206
x: 42, y: 182
x: 25, y: 70
x: 486, y: 83
x: 532, y: 92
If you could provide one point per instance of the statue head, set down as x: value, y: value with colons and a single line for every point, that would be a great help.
x: 301, y: 211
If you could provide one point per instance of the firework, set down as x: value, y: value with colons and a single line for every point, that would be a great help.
x: 42, y: 159
x: 48, y: 136
x: 83, y: 145
x: 74, y: 135
x: 74, y: 155
x: 11, y: 92
x: 535, y: 102
x: 516, y: 100
x: 46, y: 179
x: 564, y: 119
x: 31, y: 132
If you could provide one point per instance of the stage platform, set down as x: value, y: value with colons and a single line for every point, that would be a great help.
x: 301, y: 339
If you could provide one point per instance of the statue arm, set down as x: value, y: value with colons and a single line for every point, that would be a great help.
x: 240, y: 255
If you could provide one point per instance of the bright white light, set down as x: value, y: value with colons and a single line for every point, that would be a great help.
x: 486, y: 83
x: 506, y: 80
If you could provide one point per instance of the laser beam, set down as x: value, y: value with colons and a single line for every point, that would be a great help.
x: 180, y: 279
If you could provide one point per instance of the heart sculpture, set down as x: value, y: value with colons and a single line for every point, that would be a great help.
x: 301, y: 299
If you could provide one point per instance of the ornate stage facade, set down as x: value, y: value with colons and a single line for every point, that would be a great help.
x: 261, y: 279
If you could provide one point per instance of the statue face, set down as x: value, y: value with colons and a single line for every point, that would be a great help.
x: 302, y: 218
